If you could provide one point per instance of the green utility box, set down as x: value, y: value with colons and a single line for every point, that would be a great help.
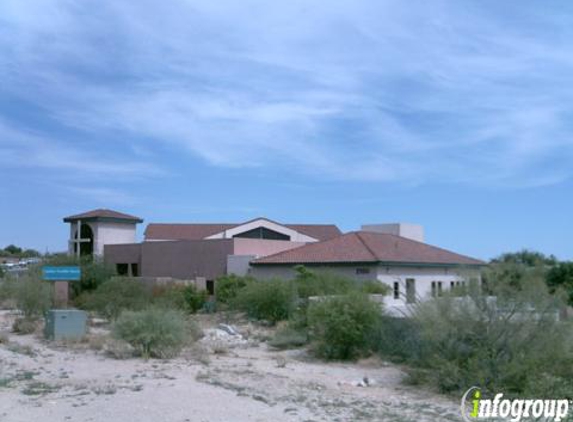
x: 65, y: 324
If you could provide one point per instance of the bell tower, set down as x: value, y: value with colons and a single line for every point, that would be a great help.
x: 90, y: 231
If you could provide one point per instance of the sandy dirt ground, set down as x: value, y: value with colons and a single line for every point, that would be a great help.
x: 218, y: 379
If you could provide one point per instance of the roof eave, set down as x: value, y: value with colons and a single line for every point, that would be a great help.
x: 104, y: 219
x: 382, y: 263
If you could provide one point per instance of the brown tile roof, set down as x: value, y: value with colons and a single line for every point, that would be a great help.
x: 368, y: 247
x: 158, y: 231
x: 102, y: 213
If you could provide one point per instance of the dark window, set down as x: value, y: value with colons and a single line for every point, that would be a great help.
x: 440, y: 288
x: 263, y: 233
x: 360, y: 271
x: 396, y: 290
x: 210, y: 285
x: 434, y: 289
x: 410, y: 290
x: 135, y: 270
x: 122, y: 269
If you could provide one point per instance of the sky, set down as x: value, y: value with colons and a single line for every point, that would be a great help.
x: 456, y: 115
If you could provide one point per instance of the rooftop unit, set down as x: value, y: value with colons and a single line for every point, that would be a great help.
x: 407, y: 230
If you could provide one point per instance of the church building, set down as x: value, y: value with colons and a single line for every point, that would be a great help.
x: 393, y: 254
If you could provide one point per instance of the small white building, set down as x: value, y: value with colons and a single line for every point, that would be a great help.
x: 412, y: 270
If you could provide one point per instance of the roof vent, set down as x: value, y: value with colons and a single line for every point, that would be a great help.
x: 409, y: 231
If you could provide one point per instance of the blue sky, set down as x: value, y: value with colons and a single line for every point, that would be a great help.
x: 453, y: 114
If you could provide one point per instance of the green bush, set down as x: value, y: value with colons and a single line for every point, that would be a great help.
x: 186, y: 298
x: 270, y: 300
x: 340, y: 327
x: 228, y: 286
x: 288, y: 337
x: 115, y: 296
x: 154, y: 332
x: 33, y: 296
x: 7, y: 286
x: 95, y: 272
x: 397, y: 339
x: 321, y: 283
x: 195, y: 299
x: 373, y: 287
x: 513, y: 345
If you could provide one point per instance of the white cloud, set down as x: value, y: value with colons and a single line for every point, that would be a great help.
x: 340, y: 90
x: 21, y: 149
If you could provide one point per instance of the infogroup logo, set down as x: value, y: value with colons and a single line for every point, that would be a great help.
x: 475, y: 407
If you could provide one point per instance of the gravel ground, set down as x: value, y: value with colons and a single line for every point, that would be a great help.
x: 221, y: 378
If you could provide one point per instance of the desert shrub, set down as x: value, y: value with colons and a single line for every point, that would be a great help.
x: 195, y: 299
x: 95, y: 272
x: 118, y: 349
x: 25, y: 325
x: 270, y: 300
x: 340, y: 326
x: 186, y: 298
x: 154, y: 332
x: 228, y: 286
x: 288, y: 337
x: 397, y: 339
x: 7, y: 288
x: 33, y: 296
x: 117, y: 295
x: 321, y: 283
x: 512, y: 344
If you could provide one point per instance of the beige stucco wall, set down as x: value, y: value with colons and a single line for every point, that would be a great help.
x: 287, y: 272
x: 262, y: 247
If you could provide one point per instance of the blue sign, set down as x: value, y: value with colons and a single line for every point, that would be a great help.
x: 62, y: 273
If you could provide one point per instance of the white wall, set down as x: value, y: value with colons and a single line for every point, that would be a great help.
x: 423, y: 276
x: 112, y: 234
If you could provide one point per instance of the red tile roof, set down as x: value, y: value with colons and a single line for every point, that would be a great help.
x: 365, y: 247
x: 158, y: 231
x: 103, y: 213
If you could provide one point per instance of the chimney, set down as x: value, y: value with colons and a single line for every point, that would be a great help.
x: 407, y: 230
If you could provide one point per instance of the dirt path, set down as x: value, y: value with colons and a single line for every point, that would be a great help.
x: 249, y: 383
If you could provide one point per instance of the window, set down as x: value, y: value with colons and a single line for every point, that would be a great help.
x: 437, y: 288
x: 396, y: 290
x: 362, y: 271
x: 122, y: 269
x: 263, y: 233
x: 134, y: 270
x: 210, y: 286
x: 410, y: 290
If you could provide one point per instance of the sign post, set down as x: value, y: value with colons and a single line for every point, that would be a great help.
x: 61, y: 276
x: 63, y: 323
